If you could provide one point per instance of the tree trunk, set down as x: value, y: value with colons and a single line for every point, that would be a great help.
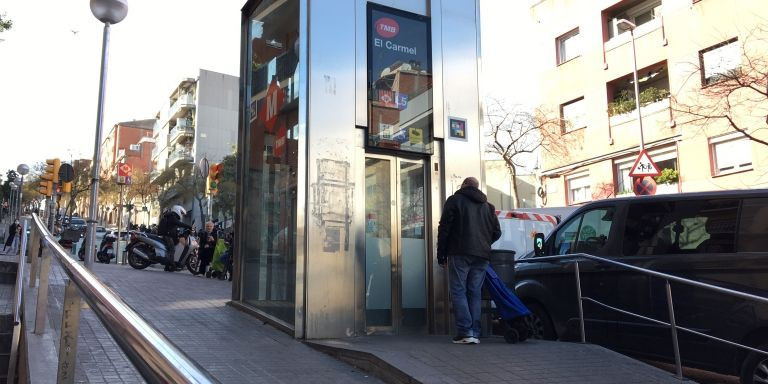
x: 515, y: 194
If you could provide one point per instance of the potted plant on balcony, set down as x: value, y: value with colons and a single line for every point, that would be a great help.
x: 625, y: 101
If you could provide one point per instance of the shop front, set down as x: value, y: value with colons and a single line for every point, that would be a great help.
x: 356, y: 121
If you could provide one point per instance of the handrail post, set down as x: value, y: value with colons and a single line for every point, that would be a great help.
x: 34, y: 253
x: 18, y: 288
x: 581, y: 307
x: 673, y: 327
x: 42, y: 294
x: 70, y: 326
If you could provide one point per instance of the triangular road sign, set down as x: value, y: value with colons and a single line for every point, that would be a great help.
x: 644, y: 166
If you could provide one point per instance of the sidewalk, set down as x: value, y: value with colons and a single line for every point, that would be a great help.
x: 238, y: 348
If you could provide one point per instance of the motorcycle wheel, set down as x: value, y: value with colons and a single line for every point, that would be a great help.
x: 136, y: 261
x: 193, y: 263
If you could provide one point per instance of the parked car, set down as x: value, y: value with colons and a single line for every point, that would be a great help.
x: 77, y: 224
x: 719, y: 238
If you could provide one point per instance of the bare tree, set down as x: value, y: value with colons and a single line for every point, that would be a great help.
x: 81, y: 183
x: 737, y: 97
x: 517, y: 134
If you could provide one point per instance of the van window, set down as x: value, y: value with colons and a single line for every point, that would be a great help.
x: 699, y: 226
x: 586, y: 233
x: 753, y: 229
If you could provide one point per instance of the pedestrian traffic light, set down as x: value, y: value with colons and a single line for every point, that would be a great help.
x: 49, y: 177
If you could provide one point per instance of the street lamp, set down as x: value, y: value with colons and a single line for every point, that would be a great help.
x: 14, y: 199
x: 627, y: 25
x: 108, y: 12
x: 22, y: 169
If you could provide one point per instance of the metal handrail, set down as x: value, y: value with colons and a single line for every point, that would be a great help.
x: 17, y: 290
x: 574, y: 258
x: 155, y: 357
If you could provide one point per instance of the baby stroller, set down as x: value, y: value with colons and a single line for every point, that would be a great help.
x: 516, y: 317
x: 221, y: 265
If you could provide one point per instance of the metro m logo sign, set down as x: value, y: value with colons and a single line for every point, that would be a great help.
x: 271, y: 105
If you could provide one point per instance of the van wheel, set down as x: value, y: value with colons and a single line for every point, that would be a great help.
x: 754, y: 369
x: 541, y: 323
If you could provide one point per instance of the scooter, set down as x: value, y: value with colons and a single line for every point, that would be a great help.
x: 106, y: 251
x: 147, y: 249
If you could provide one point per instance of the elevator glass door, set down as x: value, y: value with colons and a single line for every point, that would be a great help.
x: 395, y: 245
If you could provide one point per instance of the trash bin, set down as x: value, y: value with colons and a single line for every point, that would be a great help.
x: 503, y: 263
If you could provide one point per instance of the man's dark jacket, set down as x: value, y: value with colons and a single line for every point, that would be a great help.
x: 169, y: 224
x: 468, y: 225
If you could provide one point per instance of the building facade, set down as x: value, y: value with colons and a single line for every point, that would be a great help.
x: 126, y: 143
x: 357, y: 120
x: 685, y: 50
x: 198, y: 121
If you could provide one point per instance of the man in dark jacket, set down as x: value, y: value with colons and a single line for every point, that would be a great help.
x: 168, y: 227
x: 467, y: 229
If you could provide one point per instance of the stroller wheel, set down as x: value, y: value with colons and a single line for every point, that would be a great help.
x: 208, y: 274
x: 512, y: 336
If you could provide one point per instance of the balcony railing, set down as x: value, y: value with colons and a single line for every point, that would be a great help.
x: 179, y: 132
x: 180, y: 155
x: 183, y: 102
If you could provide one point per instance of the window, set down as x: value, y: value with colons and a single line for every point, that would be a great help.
x: 753, y: 230
x: 568, y: 46
x: 573, y: 115
x: 587, y: 233
x: 730, y: 153
x: 654, y: 88
x: 719, y: 62
x: 637, y: 12
x: 578, y: 189
x: 698, y: 226
x: 665, y: 158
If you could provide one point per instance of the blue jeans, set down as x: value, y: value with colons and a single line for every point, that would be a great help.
x: 466, y: 276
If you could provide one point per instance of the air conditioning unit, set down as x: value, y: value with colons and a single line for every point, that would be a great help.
x: 135, y: 147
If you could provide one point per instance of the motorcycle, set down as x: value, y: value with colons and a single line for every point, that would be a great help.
x: 147, y: 249
x: 106, y: 251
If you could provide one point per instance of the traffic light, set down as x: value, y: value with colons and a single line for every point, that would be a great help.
x: 213, y: 178
x: 66, y: 187
x: 50, y: 175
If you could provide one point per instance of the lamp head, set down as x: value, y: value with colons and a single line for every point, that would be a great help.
x: 625, y: 25
x: 109, y: 11
x: 22, y: 169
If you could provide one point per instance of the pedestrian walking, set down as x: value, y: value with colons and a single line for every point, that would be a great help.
x: 468, y: 227
x: 12, y: 236
x: 208, y: 238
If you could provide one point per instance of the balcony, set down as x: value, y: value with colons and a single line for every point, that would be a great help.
x: 185, y: 102
x: 180, y: 156
x: 182, y: 130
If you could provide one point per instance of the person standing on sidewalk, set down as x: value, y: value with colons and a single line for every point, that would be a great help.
x: 208, y: 240
x: 468, y: 227
x: 12, y: 232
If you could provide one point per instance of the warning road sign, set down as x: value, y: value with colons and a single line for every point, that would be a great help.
x: 644, y: 166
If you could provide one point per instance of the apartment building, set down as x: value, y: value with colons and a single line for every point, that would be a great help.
x: 198, y: 120
x: 683, y: 50
x: 127, y: 143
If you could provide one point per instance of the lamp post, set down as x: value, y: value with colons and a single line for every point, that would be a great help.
x: 627, y: 25
x: 14, y: 198
x: 22, y: 169
x: 108, y: 12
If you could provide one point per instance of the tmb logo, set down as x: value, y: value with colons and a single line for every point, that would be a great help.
x: 387, y: 27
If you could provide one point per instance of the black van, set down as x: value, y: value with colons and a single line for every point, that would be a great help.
x: 719, y: 238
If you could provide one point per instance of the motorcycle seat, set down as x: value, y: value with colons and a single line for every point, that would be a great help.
x: 156, y: 237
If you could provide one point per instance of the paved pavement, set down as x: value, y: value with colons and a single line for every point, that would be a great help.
x: 238, y: 348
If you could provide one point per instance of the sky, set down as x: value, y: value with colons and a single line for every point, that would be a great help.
x: 50, y: 59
